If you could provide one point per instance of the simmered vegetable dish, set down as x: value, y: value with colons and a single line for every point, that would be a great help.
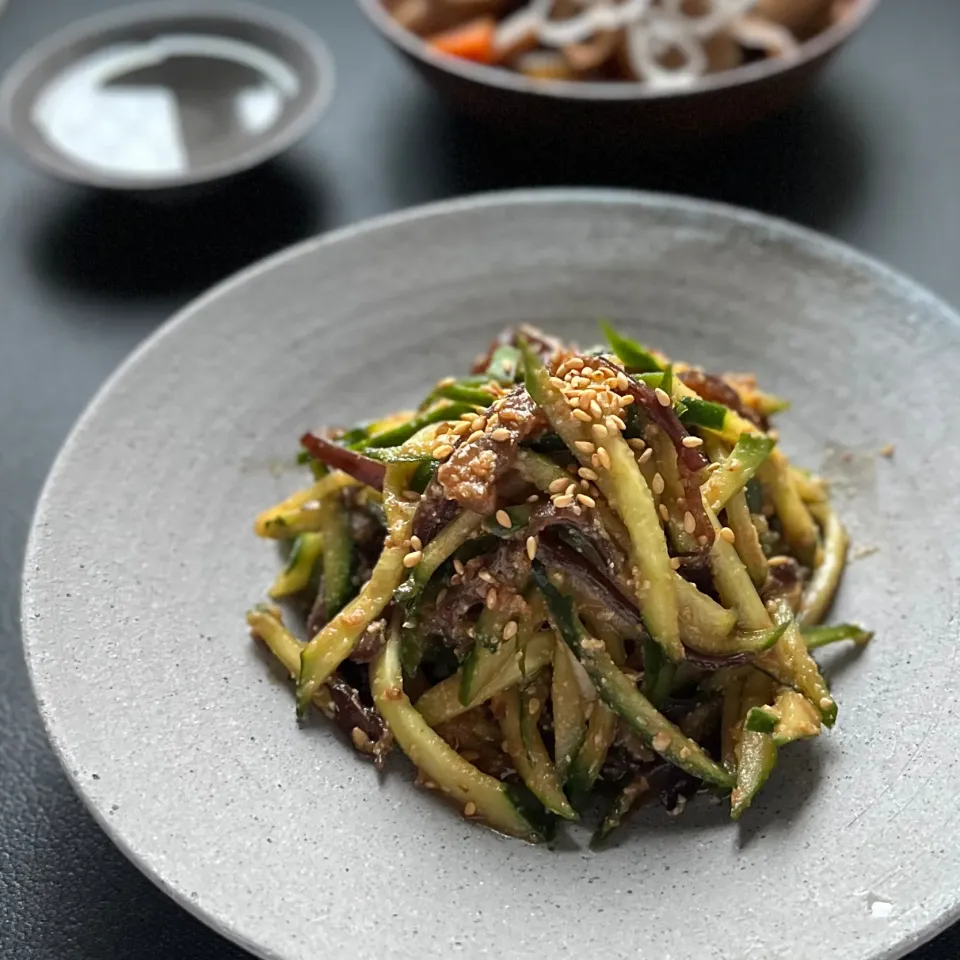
x: 663, y: 44
x: 572, y: 574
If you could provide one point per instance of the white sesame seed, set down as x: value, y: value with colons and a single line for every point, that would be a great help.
x: 416, y: 543
x: 533, y: 498
x: 501, y: 433
x: 557, y: 382
x: 412, y: 558
x: 604, y: 458
x: 486, y: 576
x: 533, y: 706
x: 636, y: 443
x: 491, y: 598
x: 468, y: 417
x: 692, y: 442
x: 581, y: 415
x: 571, y: 489
x: 663, y: 398
x: 622, y: 382
x: 558, y: 485
x: 595, y: 409
x: 562, y: 501
x: 664, y: 512
x: 689, y: 523
x: 626, y: 400
x: 645, y: 456
x: 442, y: 451
x: 588, y: 474
x: 575, y: 363
x: 586, y: 501
x: 479, y: 423
x: 658, y: 484
x: 728, y: 535
x: 675, y: 563
x: 531, y: 547
x: 461, y: 429
x: 584, y: 446
x: 503, y: 518
x: 470, y: 809
x: 600, y: 431
x: 458, y: 565
x: 510, y: 629
x: 475, y: 436
x: 614, y: 423
x: 586, y: 371
x: 661, y: 741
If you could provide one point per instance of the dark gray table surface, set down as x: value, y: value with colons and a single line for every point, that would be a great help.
x: 873, y: 158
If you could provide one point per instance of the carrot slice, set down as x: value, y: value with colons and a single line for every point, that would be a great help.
x: 472, y: 41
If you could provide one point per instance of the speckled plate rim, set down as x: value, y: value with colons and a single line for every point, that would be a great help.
x: 923, y: 926
x: 157, y: 10
x: 498, y: 77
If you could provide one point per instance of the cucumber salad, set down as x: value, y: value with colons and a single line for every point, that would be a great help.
x: 571, y: 580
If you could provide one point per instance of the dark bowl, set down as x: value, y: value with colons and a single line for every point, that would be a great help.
x: 723, y: 102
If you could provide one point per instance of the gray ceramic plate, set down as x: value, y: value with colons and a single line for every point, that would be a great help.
x: 181, y: 738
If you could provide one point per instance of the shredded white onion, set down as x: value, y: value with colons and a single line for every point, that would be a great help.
x: 721, y: 13
x: 647, y: 44
x: 598, y: 18
x: 773, y: 39
x: 653, y: 29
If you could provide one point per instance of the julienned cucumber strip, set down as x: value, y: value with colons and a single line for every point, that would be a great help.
x: 733, y: 474
x: 636, y: 359
x: 504, y: 364
x: 624, y: 487
x: 619, y: 693
x: 527, y: 751
x: 703, y: 413
x: 462, y: 782
x: 396, y: 436
x: 816, y: 637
